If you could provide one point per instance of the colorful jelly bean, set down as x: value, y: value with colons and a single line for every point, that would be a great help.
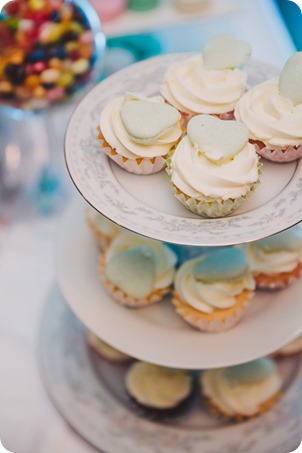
x: 46, y: 52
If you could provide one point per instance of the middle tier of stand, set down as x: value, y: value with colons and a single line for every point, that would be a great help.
x: 156, y: 334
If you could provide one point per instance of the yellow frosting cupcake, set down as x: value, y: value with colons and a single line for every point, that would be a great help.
x: 158, y: 387
x: 242, y: 391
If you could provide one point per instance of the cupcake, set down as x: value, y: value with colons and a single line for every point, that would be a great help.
x: 137, y: 133
x: 137, y: 271
x: 103, y: 230
x: 213, y: 292
x: 272, y: 111
x: 294, y: 347
x: 214, y: 168
x: 210, y: 82
x: 276, y: 261
x: 159, y: 389
x: 104, y: 350
x: 242, y: 391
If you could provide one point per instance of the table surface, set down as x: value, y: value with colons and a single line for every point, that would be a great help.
x: 28, y: 421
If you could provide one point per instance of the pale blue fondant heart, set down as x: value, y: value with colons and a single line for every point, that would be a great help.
x: 290, y: 81
x: 219, y: 140
x: 147, y: 120
x: 225, y: 52
x: 133, y: 271
x: 221, y: 265
x: 251, y: 372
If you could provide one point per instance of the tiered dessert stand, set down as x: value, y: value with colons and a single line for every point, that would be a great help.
x: 91, y: 395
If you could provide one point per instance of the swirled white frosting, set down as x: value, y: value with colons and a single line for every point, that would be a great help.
x: 101, y: 223
x: 199, y: 177
x: 270, y: 117
x: 239, y: 397
x: 156, y: 386
x: 207, y: 297
x: 277, y: 254
x: 116, y: 135
x: 164, y: 259
x: 192, y: 88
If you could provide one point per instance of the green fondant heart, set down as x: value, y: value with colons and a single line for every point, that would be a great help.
x: 290, y: 81
x: 251, y: 372
x: 221, y: 265
x: 147, y: 120
x: 225, y: 52
x: 133, y: 271
x: 219, y: 140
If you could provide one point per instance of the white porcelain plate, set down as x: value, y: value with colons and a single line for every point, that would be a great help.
x: 90, y: 394
x: 156, y: 333
x: 146, y: 204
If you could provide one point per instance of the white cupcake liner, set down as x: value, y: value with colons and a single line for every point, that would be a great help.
x: 124, y: 299
x: 216, y: 325
x: 211, y: 208
x: 139, y: 166
x: 278, y: 155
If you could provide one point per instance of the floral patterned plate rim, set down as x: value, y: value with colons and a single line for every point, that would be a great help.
x: 98, y: 415
x: 272, y: 320
x: 146, y: 204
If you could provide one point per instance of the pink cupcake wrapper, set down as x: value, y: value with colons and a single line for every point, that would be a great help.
x: 278, y: 155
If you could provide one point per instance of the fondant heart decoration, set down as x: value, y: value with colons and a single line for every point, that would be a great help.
x: 225, y: 52
x: 217, y: 139
x: 290, y: 81
x: 147, y: 120
x: 133, y: 271
x: 251, y: 372
x: 224, y: 264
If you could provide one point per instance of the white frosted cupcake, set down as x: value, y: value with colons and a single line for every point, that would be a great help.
x: 211, y: 82
x: 272, y: 111
x: 214, y: 168
x: 213, y: 292
x: 292, y: 348
x: 276, y: 261
x: 104, y: 350
x: 103, y: 230
x: 137, y: 271
x: 137, y: 132
x: 242, y: 391
x: 156, y: 387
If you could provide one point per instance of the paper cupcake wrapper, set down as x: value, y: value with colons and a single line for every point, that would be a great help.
x: 264, y: 407
x: 278, y: 155
x: 219, y: 320
x: 211, y: 208
x: 139, y: 166
x: 102, y: 241
x: 124, y: 299
x: 279, y: 281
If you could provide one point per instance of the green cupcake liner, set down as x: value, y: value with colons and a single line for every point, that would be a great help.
x: 210, y: 208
